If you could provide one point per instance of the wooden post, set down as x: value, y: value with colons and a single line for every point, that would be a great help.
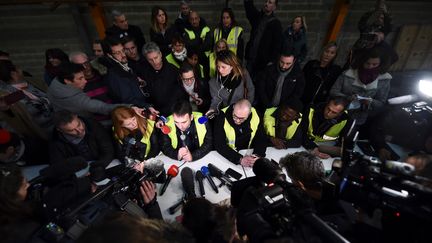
x: 339, y: 12
x: 98, y: 15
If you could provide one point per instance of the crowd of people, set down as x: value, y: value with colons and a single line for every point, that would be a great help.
x: 189, y: 90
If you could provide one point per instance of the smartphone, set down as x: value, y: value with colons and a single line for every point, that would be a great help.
x: 234, y: 174
x: 14, y: 97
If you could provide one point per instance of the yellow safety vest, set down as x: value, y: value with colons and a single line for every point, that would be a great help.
x: 212, y: 65
x: 203, y: 34
x: 232, y: 39
x: 270, y: 123
x: 201, y: 69
x: 170, y: 58
x: 200, y: 128
x: 145, y: 139
x: 330, y: 135
x: 230, y: 132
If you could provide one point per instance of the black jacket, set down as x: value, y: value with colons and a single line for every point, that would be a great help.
x: 132, y: 31
x: 163, y: 87
x: 124, y: 86
x: 98, y: 140
x: 197, y: 153
x: 271, y: 40
x: 163, y: 41
x: 242, y: 139
x: 266, y: 83
x: 202, y: 89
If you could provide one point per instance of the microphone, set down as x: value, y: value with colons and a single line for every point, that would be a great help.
x: 172, y: 172
x: 399, y: 167
x: 165, y: 129
x: 203, y: 120
x: 200, y: 177
x: 156, y: 169
x: 216, y: 172
x: 60, y: 169
x: 183, y: 139
x: 188, y: 183
x: 206, y: 173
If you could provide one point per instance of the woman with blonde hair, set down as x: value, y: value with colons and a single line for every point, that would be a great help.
x: 231, y: 84
x: 129, y: 126
x: 160, y: 32
x: 220, y: 45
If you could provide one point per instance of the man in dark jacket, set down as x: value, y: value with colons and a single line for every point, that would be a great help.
x: 188, y: 140
x: 238, y: 127
x: 265, y: 38
x: 124, y: 84
x: 161, y: 79
x: 84, y: 140
x: 280, y: 82
x: 197, y: 36
x: 121, y: 28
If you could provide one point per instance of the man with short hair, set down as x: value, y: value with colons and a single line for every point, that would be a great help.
x: 135, y: 59
x: 280, y: 82
x: 183, y: 16
x: 265, y: 38
x: 282, y: 125
x: 66, y: 93
x: 325, y: 122
x: 121, y: 28
x: 161, y: 78
x: 124, y: 84
x: 238, y: 127
x: 188, y: 139
x: 197, y: 36
x: 83, y: 140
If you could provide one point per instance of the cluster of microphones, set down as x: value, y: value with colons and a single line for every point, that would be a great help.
x: 188, y: 182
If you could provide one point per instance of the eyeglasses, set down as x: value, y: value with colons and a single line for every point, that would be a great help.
x: 188, y: 79
x: 239, y: 119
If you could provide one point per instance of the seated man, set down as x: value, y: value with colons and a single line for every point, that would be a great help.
x: 325, y: 122
x: 238, y: 127
x: 281, y: 125
x: 83, y: 139
x: 195, y: 138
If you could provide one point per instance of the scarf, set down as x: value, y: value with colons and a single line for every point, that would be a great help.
x: 180, y: 55
x: 367, y: 76
x: 229, y: 82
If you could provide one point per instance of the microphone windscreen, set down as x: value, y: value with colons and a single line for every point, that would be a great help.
x: 164, y: 119
x: 173, y: 171
x: 214, y: 171
x: 165, y: 129
x: 156, y: 166
x: 202, y: 120
x: 205, y: 170
x: 188, y: 181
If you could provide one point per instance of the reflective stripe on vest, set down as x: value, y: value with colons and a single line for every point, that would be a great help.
x: 230, y: 133
x: 330, y: 135
x: 212, y: 65
x: 145, y: 139
x: 201, y: 68
x: 192, y: 36
x: 170, y: 59
x: 200, y: 128
x: 232, y: 39
x: 270, y: 123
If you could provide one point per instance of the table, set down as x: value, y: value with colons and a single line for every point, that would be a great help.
x: 174, y: 193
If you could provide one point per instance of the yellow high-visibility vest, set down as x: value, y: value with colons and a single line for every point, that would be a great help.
x: 230, y: 132
x: 200, y: 128
x: 232, y: 39
x: 330, y: 135
x: 270, y: 123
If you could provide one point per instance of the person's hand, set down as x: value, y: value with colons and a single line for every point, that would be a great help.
x: 278, y: 143
x: 159, y: 124
x: 210, y: 113
x: 384, y: 154
x: 148, y: 191
x: 320, y: 155
x: 198, y: 101
x: 181, y: 153
x: 138, y: 111
x: 188, y: 156
x: 248, y: 160
x: 93, y: 187
x: 139, y: 166
x: 153, y: 111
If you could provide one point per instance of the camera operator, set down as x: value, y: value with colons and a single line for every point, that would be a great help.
x: 307, y: 172
x: 82, y: 139
x: 18, y: 220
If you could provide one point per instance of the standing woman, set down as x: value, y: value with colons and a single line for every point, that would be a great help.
x: 160, y: 32
x: 295, y: 36
x: 128, y: 125
x: 320, y: 75
x: 366, y: 83
x: 231, y: 84
x: 54, y: 57
x: 229, y: 30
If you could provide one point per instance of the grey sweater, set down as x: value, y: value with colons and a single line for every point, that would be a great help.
x: 66, y: 97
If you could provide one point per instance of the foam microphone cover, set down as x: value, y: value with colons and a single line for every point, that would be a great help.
x: 202, y: 120
x: 165, y: 129
x: 188, y: 182
x: 164, y: 119
x: 173, y: 171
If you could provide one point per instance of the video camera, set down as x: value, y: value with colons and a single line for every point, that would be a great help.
x: 269, y: 207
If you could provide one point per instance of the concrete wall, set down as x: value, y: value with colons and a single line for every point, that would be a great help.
x: 27, y: 30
